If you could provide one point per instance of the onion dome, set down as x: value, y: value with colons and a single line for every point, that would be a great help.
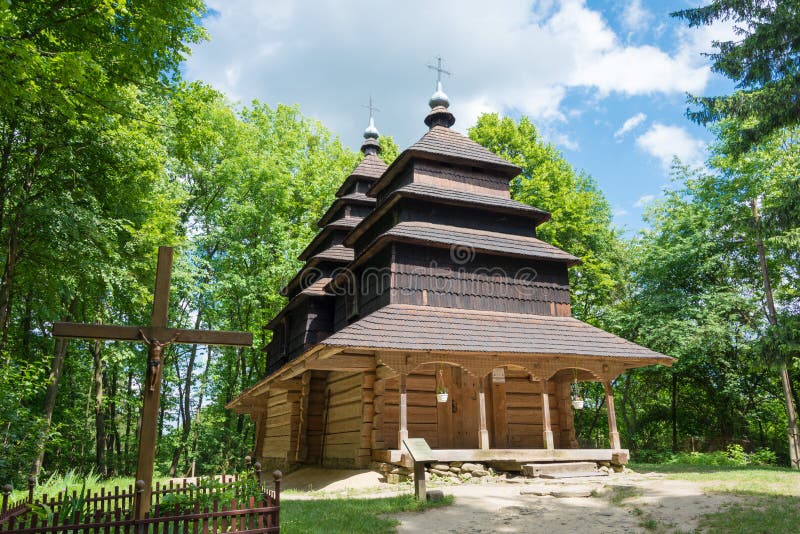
x: 371, y: 133
x: 439, y: 102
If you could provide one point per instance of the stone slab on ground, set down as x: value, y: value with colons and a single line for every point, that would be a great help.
x: 539, y: 469
x: 577, y: 474
x: 559, y: 491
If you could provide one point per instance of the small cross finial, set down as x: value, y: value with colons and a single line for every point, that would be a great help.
x: 372, y: 108
x: 439, y: 70
x: 371, y: 133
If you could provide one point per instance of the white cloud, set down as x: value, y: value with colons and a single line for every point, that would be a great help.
x: 620, y: 212
x: 665, y: 142
x: 519, y: 55
x: 630, y: 124
x: 643, y: 201
x: 635, y: 17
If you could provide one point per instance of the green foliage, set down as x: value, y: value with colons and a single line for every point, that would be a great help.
x: 356, y: 516
x: 75, y: 508
x: 762, y: 61
x: 581, y: 220
x: 209, y: 490
x: 733, y: 456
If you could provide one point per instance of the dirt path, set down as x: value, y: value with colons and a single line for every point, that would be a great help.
x: 619, y: 503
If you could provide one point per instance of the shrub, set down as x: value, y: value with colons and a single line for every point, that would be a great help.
x: 763, y: 456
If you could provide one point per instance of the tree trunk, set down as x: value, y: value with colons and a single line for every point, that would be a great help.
x: 112, y: 452
x: 198, y: 413
x: 99, y: 412
x: 56, y: 368
x: 7, y: 282
x: 674, y: 411
x: 791, y: 411
x: 128, y: 416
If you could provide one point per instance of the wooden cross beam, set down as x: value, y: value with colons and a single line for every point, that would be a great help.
x: 156, y: 336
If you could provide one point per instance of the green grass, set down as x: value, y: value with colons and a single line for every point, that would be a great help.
x: 351, y: 516
x: 623, y: 493
x: 73, y: 481
x: 755, y: 481
x: 773, y: 515
x: 770, y: 496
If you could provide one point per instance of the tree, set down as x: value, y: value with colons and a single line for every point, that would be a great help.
x: 82, y: 181
x: 581, y: 220
x: 763, y: 63
x: 765, y: 175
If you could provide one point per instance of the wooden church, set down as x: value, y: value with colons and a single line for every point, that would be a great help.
x: 428, y: 308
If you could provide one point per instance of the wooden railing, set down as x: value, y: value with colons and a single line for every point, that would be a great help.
x: 230, y: 504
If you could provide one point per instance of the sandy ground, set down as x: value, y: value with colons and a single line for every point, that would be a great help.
x: 500, y: 507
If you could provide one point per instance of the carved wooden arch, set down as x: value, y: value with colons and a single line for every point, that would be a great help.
x: 572, y: 368
x: 477, y: 365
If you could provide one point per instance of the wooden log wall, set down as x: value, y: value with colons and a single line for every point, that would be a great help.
x: 514, y: 411
x: 281, y: 421
x: 315, y: 411
x: 343, y: 420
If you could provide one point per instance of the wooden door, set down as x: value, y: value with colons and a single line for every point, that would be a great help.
x: 464, y: 414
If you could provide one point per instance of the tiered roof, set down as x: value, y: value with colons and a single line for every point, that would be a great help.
x: 428, y: 328
x: 337, y: 221
x: 410, y: 202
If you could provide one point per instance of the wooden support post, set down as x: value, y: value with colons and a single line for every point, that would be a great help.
x: 548, y: 431
x: 403, y: 432
x: 149, y: 427
x: 613, y: 434
x: 483, y: 433
x: 419, y: 481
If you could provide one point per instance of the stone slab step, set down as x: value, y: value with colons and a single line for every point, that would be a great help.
x: 561, y: 492
x: 577, y: 474
x: 535, y: 470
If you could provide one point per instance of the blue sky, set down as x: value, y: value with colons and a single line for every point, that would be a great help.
x: 605, y: 81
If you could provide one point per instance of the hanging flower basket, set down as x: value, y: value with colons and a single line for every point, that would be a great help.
x: 441, y: 389
x: 577, y: 400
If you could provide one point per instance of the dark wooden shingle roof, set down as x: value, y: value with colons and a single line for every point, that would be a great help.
x: 426, y: 328
x: 444, y: 144
x: 477, y: 240
x: 344, y: 223
x: 338, y: 253
x: 443, y: 141
x: 352, y: 198
x: 465, y: 198
x: 370, y: 167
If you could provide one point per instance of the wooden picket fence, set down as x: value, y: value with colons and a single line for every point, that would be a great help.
x: 115, y: 511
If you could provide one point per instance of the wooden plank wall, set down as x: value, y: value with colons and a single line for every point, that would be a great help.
x: 431, y: 277
x: 282, y: 418
x: 514, y: 411
x: 343, y: 419
x: 422, y: 409
x: 563, y: 400
x: 316, y: 407
x: 367, y: 416
x: 523, y: 403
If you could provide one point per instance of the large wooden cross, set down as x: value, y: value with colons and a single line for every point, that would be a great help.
x: 156, y: 337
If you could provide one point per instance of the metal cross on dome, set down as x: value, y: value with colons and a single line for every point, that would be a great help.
x: 439, y: 70
x: 371, y: 107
